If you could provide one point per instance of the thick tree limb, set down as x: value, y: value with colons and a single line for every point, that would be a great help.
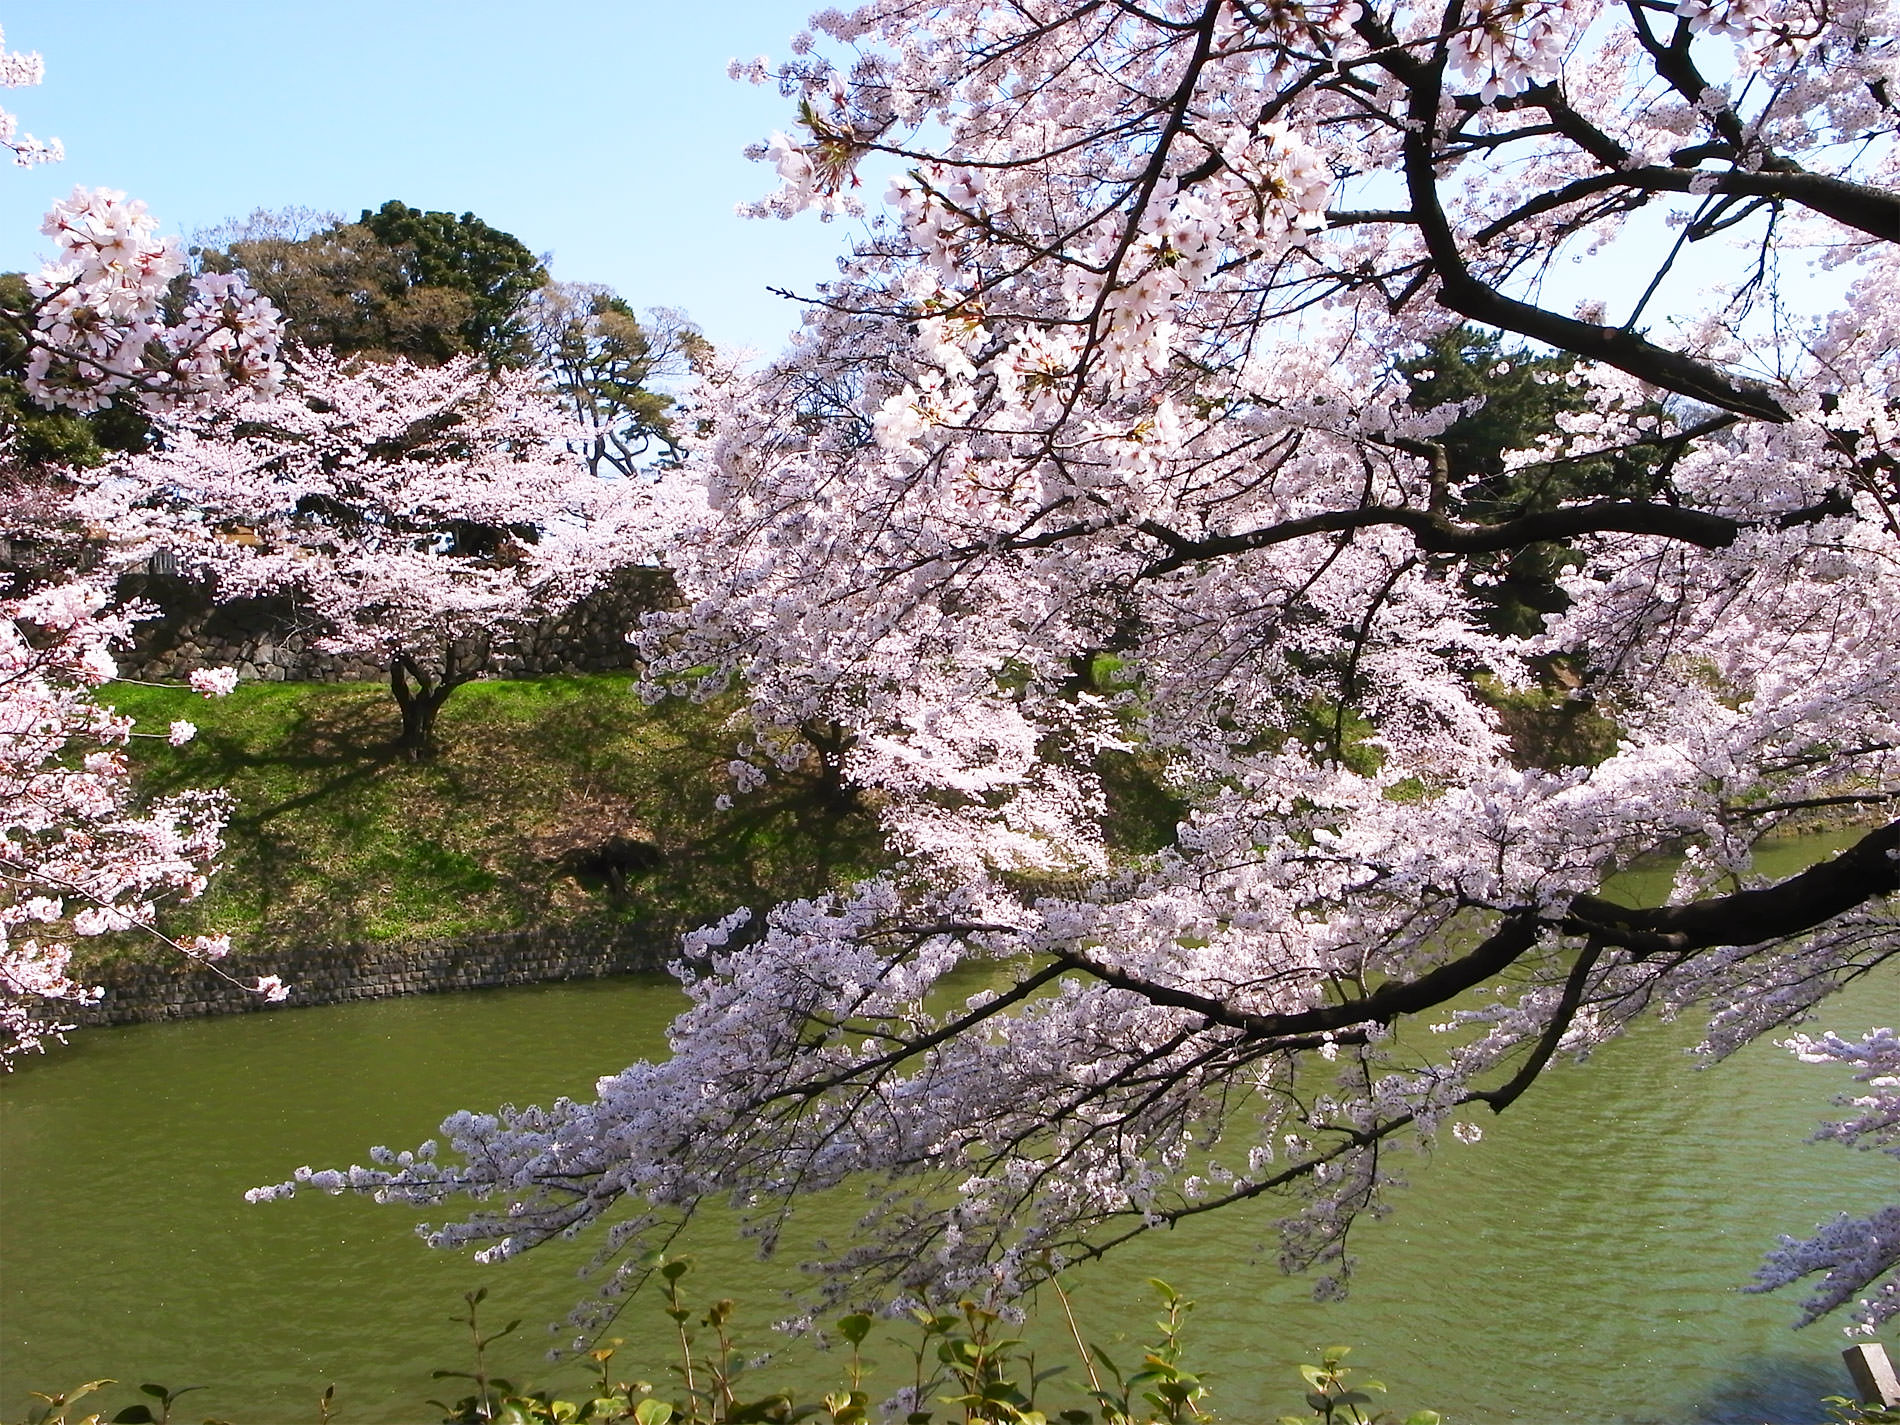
x: 1874, y: 211
x: 1436, y: 534
x: 1460, y: 292
x: 1499, y: 950
x: 1867, y: 870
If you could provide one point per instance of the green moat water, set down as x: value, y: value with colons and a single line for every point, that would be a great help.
x: 1579, y: 1264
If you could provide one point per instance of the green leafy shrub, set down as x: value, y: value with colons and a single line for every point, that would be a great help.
x: 967, y: 1368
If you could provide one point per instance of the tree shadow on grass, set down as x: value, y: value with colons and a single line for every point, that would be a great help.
x: 335, y: 837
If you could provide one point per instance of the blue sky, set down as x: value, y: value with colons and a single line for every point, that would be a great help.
x: 603, y: 131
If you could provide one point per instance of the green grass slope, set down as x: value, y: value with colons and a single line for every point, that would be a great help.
x: 333, y: 838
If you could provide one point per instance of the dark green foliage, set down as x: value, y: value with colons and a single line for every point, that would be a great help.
x: 399, y: 282
x: 343, y: 290
x: 1520, y: 396
x: 36, y: 437
x: 1144, y: 812
x: 605, y: 362
x: 489, y: 267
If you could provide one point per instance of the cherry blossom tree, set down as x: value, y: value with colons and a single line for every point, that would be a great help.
x: 98, y: 325
x: 78, y: 855
x: 1104, y: 446
x: 415, y: 513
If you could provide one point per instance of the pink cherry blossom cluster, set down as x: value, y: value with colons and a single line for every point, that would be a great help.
x: 1849, y: 1253
x: 17, y: 71
x: 1772, y: 33
x: 1506, y: 47
x: 214, y: 682
x: 100, y: 327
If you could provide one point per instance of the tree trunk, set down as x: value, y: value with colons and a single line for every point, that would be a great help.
x: 417, y: 741
x: 420, y: 698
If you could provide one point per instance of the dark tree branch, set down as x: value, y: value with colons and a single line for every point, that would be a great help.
x: 1460, y: 292
x: 1867, y: 870
x: 1505, y: 1095
x: 1437, y: 534
x: 1874, y: 211
x: 910, y: 1049
x: 1392, y: 1001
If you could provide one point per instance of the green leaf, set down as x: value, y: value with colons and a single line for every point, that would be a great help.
x: 1423, y: 1417
x: 1313, y: 1376
x: 135, y: 1415
x: 855, y: 1327
x: 958, y: 1353
x: 652, y: 1412
x: 771, y: 1407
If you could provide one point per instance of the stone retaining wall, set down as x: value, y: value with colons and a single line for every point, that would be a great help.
x: 337, y: 974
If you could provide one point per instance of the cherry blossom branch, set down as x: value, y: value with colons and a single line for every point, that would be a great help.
x: 1865, y: 871
x: 1438, y: 534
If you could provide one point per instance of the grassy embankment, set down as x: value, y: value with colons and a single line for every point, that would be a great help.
x: 332, y: 838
